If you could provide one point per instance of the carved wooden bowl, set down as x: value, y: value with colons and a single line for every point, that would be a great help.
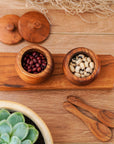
x: 77, y: 80
x: 39, y: 77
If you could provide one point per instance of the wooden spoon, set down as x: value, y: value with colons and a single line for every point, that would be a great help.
x: 101, y: 131
x: 104, y: 116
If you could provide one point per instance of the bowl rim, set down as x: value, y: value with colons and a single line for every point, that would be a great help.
x: 70, y: 76
x: 10, y: 105
x: 38, y: 48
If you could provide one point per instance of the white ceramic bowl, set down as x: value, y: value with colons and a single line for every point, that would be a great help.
x: 13, y: 106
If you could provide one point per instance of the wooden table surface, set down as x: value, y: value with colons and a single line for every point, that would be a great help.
x: 67, y: 32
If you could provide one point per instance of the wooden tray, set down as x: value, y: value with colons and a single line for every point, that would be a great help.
x: 9, y: 80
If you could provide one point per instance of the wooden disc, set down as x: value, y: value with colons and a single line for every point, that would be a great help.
x: 9, y: 29
x: 34, y: 27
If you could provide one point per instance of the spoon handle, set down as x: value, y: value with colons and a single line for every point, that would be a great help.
x: 101, y: 131
x: 76, y: 101
x: 72, y: 109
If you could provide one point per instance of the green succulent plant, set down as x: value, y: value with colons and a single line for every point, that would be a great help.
x: 14, y: 129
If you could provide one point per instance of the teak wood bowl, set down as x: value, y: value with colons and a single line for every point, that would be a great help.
x: 34, y: 78
x: 70, y: 76
x: 40, y: 124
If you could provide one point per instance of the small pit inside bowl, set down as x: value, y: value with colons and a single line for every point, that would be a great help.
x: 81, y: 65
x: 34, y: 61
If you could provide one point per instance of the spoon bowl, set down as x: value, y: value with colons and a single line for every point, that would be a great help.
x: 101, y: 131
x: 106, y: 117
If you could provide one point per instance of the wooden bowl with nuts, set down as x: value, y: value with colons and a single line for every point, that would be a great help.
x: 34, y: 64
x: 81, y: 66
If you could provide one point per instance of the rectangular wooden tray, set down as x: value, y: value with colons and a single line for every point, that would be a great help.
x: 9, y: 79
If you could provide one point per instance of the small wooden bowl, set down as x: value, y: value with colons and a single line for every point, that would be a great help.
x: 70, y: 76
x: 16, y: 107
x: 34, y: 78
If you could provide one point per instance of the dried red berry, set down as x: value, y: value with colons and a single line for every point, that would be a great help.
x: 38, y: 58
x: 39, y: 61
x: 34, y: 53
x: 31, y: 57
x: 34, y: 69
x: 44, y: 64
x: 28, y: 60
x: 29, y: 67
x: 31, y: 62
x: 34, y: 60
x: 39, y: 69
x: 37, y: 65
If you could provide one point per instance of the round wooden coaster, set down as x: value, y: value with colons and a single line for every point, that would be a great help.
x: 34, y: 27
x: 9, y: 29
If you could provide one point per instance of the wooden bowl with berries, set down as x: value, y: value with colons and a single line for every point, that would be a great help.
x: 81, y: 66
x: 34, y: 64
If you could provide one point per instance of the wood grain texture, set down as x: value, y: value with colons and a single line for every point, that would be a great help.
x: 11, y: 80
x: 65, y: 128
x: 68, y: 24
x: 58, y: 43
x: 67, y: 32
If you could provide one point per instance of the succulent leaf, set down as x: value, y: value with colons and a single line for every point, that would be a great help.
x: 5, y: 137
x: 20, y: 130
x: 4, y: 114
x: 26, y: 142
x: 14, y: 130
x: 15, y: 140
x: 1, y: 141
x: 15, y: 118
x: 32, y: 134
x: 5, y: 127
